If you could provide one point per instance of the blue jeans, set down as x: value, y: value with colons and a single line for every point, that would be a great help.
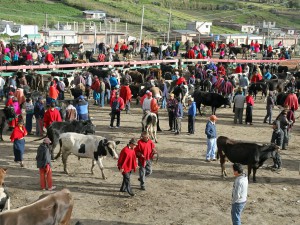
x: 211, y: 148
x: 107, y: 95
x: 236, y: 211
x: 101, y: 102
x: 164, y: 102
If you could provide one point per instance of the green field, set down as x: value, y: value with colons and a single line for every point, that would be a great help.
x: 156, y: 16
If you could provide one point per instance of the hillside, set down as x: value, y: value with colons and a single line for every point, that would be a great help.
x: 156, y: 12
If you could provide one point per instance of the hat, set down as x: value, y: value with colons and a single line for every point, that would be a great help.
x: 149, y: 93
x: 213, y: 118
x: 81, y: 97
x: 10, y: 93
x: 61, y: 78
x: 133, y: 141
x: 47, y: 141
x: 117, y: 86
x: 176, y: 72
x: 40, y: 98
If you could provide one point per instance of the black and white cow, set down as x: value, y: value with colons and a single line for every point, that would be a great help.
x: 86, y: 146
x: 149, y: 124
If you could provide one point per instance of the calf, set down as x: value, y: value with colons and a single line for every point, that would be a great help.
x: 4, y: 196
x: 149, y: 124
x: 250, y: 154
x: 54, y: 209
x: 86, y: 146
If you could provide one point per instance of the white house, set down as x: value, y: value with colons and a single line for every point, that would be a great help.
x: 239, y: 39
x: 201, y: 27
x: 94, y: 15
x: 66, y: 36
x: 12, y: 29
x: 249, y: 29
x: 265, y: 24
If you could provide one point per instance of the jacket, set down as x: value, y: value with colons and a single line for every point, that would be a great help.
x: 240, y: 189
x: 192, y: 109
x: 43, y: 156
x: 51, y: 116
x: 127, y: 160
x: 18, y: 133
x: 210, y: 130
x: 179, y: 110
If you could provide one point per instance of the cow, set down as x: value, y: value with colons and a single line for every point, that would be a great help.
x: 4, y: 196
x: 137, y: 77
x: 86, y: 146
x: 282, y: 69
x: 254, y: 88
x: 149, y: 124
x: 5, y: 114
x: 210, y: 99
x: 53, y: 209
x: 57, y: 128
x: 251, y: 154
x: 181, y: 92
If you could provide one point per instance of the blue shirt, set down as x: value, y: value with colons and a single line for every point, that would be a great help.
x: 179, y: 110
x: 192, y: 109
x: 268, y: 76
x: 82, y: 107
x: 113, y: 81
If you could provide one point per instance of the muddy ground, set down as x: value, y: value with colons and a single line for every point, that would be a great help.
x: 183, y: 189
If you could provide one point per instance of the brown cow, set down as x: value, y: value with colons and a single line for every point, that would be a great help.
x: 2, y: 175
x: 54, y: 209
x: 4, y: 196
x: 156, y: 72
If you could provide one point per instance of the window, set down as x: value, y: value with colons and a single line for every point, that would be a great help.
x: 207, y: 26
x: 241, y: 40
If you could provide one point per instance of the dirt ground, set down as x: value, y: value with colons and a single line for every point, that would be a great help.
x: 183, y: 189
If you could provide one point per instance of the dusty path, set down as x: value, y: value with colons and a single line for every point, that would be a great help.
x: 183, y: 189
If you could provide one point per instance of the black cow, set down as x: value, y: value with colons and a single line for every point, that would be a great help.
x: 254, y: 88
x: 101, y: 72
x: 251, y: 154
x: 166, y: 68
x: 235, y: 51
x: 5, y: 115
x: 57, y: 128
x: 210, y: 99
x: 282, y: 69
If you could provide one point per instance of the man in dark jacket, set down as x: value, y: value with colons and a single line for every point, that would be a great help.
x: 211, y: 134
x: 43, y: 160
x: 178, y: 117
x: 39, y: 112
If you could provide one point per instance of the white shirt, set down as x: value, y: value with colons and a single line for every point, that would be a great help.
x: 147, y: 104
x: 2, y: 83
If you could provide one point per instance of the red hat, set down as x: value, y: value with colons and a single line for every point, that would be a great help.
x: 149, y: 94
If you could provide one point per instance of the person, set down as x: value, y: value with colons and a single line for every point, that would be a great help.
x: 171, y: 105
x: 117, y: 105
x: 239, y: 193
x: 144, y: 151
x: 277, y: 139
x: 292, y: 100
x: 2, y: 83
x: 18, y: 138
x: 125, y: 94
x: 51, y: 115
x: 113, y: 80
x: 269, y: 108
x: 178, y: 117
x: 177, y: 45
x: 71, y: 112
x: 239, y: 100
x: 61, y: 88
x: 43, y: 161
x: 29, y: 115
x: 211, y: 134
x: 191, y: 115
x: 249, y: 109
x: 96, y: 87
x: 127, y: 163
x: 53, y: 92
x: 244, y: 83
x: 147, y: 102
x: 39, y: 112
x: 49, y: 58
x: 101, y: 92
x: 284, y: 125
x: 154, y: 107
x: 82, y: 108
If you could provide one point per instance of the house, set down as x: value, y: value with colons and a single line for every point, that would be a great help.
x: 239, y: 39
x: 110, y: 38
x: 12, y: 29
x: 249, y: 29
x: 289, y: 31
x: 94, y: 15
x: 201, y: 27
x: 265, y: 24
x: 66, y: 36
x: 183, y: 35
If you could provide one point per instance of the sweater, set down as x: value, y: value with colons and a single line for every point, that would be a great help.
x: 240, y: 189
x: 18, y: 133
x: 51, y: 116
x: 43, y: 156
x: 127, y: 160
x: 143, y: 151
x: 192, y: 109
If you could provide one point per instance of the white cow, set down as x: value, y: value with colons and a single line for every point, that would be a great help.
x: 149, y: 124
x: 86, y: 146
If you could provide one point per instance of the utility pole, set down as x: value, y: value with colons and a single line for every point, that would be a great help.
x: 168, y: 38
x: 268, y: 33
x: 105, y: 23
x: 126, y: 32
x: 140, y: 41
x: 46, y: 27
x: 95, y: 38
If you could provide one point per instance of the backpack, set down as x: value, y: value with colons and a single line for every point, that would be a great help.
x: 15, y: 57
x: 115, y: 105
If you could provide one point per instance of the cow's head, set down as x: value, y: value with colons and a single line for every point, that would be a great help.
x: 227, y: 101
x: 88, y: 127
x: 108, y: 146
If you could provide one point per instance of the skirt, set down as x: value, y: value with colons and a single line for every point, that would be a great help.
x: 19, y: 148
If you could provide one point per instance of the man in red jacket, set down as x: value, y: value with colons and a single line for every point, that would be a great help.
x: 144, y: 151
x: 127, y: 163
x: 51, y: 115
x: 117, y: 105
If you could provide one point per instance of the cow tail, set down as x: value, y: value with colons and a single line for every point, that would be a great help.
x: 40, y: 138
x: 59, y: 153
